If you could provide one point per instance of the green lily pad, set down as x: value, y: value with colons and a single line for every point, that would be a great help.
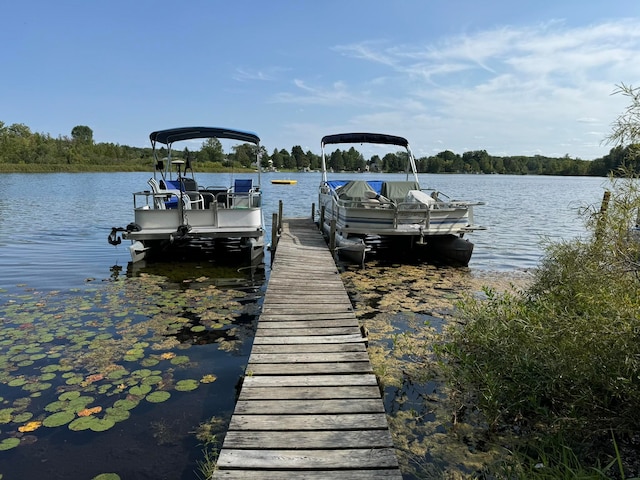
x: 58, y: 419
x: 117, y: 374
x: 69, y: 395
x: 17, y: 382
x: 152, y: 380
x: 101, y: 424
x: 143, y: 372
x: 106, y: 476
x: 186, y: 385
x: 149, y: 362
x: 198, y: 328
x: 180, y: 360
x: 158, y: 397
x: 50, y: 368
x: 22, y: 417
x: 125, y: 404
x: 117, y: 414
x: 36, y: 387
x: 81, y: 423
x: 9, y: 443
x: 140, y: 390
x: 6, y: 415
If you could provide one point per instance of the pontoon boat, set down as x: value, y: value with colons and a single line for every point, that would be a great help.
x: 395, y: 218
x: 175, y: 211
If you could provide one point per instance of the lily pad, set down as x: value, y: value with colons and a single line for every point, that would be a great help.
x: 152, y: 380
x: 22, y: 417
x: 58, y: 419
x: 9, y: 443
x: 36, y: 387
x: 17, y: 382
x: 117, y: 414
x: 101, y: 424
x: 180, y: 360
x: 6, y: 415
x: 107, y: 476
x: 158, y: 397
x: 186, y: 385
x: 69, y: 395
x: 125, y: 404
x: 149, y: 362
x: 140, y: 390
x: 81, y: 423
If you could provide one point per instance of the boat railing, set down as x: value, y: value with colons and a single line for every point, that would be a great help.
x: 250, y: 199
x: 168, y: 200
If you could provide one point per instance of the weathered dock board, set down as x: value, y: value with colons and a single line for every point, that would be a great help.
x: 310, y: 406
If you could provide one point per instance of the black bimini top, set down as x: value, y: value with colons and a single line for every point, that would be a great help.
x: 365, y: 138
x: 186, y: 133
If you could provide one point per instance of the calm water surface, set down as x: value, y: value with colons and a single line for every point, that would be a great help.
x: 53, y: 227
x: 64, y: 292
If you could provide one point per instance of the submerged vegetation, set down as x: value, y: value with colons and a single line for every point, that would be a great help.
x: 514, y: 376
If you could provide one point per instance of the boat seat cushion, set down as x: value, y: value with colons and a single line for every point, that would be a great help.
x: 398, y: 190
x: 242, y: 185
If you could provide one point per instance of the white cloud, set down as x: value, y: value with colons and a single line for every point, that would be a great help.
x: 544, y: 88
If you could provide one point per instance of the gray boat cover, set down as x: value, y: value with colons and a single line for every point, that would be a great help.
x: 397, y: 191
x: 355, y: 191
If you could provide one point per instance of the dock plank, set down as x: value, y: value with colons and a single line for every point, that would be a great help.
x: 309, y: 406
x: 309, y: 459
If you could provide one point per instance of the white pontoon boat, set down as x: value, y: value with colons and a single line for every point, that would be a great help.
x: 394, y: 218
x: 176, y: 212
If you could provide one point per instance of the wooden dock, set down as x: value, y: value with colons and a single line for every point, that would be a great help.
x: 310, y: 406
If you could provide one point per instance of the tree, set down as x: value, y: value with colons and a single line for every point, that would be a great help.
x: 211, y: 151
x: 82, y: 134
x: 626, y: 128
x: 300, y: 157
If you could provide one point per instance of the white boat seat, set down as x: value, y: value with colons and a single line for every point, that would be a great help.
x: 157, y: 200
x: 193, y: 200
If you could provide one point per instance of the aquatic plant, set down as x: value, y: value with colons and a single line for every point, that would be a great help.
x: 114, y: 345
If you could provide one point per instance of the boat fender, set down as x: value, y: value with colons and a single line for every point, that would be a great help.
x: 113, y: 237
x: 184, y: 229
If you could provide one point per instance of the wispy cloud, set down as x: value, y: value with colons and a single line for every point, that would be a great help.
x: 516, y: 89
x: 268, y: 75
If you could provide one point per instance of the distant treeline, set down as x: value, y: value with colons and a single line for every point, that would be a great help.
x: 24, y: 151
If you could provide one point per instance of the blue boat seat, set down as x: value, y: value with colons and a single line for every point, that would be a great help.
x: 241, y: 189
x: 242, y: 185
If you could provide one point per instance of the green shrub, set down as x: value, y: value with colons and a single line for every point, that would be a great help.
x: 563, y: 355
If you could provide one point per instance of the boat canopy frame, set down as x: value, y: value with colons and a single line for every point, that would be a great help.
x: 364, y: 137
x: 170, y: 135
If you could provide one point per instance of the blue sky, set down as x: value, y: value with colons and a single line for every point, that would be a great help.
x: 510, y: 77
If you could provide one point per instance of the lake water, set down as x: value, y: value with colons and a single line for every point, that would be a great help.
x: 81, y: 330
x: 53, y: 227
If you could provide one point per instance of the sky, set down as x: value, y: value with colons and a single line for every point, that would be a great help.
x: 512, y: 77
